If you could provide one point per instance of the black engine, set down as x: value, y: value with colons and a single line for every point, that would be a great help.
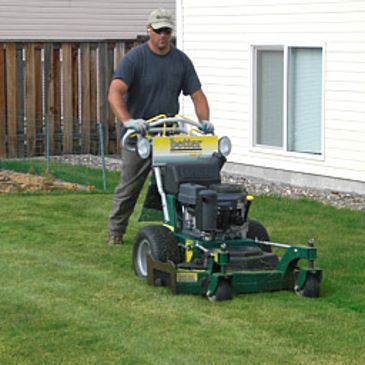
x: 208, y: 207
x: 218, y: 209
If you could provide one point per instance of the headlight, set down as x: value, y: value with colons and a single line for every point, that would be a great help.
x: 224, y: 146
x: 143, y: 148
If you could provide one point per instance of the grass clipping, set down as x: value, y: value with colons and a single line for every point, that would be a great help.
x: 12, y: 182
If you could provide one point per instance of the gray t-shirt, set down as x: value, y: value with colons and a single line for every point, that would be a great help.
x: 155, y: 82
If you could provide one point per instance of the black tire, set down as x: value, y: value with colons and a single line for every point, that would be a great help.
x: 157, y: 241
x: 223, y: 291
x: 257, y: 231
x: 311, y: 287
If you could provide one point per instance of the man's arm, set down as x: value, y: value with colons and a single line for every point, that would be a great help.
x: 201, y: 105
x: 116, y: 93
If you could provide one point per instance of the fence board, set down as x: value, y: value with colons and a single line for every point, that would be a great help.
x: 85, y: 98
x: 102, y: 116
x: 20, y: 100
x: 46, y: 75
x: 2, y: 103
x: 93, y: 100
x: 75, y: 101
x: 40, y: 140
x: 67, y: 98
x: 110, y: 120
x: 49, y: 94
x: 11, y: 99
x: 30, y: 99
x: 119, y: 52
x: 55, y: 101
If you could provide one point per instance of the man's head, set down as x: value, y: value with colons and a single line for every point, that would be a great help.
x: 160, y: 27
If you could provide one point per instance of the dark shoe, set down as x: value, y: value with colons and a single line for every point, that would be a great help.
x: 115, y: 240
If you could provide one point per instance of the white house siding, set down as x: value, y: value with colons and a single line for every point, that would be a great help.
x: 76, y: 19
x: 218, y: 36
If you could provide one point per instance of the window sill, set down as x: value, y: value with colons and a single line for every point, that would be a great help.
x: 279, y: 152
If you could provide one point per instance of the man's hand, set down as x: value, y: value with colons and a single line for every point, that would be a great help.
x: 207, y: 126
x: 139, y: 125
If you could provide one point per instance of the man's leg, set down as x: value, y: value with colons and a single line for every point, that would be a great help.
x: 134, y: 172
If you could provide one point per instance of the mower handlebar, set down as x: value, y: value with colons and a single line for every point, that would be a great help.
x: 161, y: 121
x: 156, y: 127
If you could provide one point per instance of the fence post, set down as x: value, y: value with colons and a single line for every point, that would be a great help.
x: 2, y: 102
x: 46, y: 65
x: 11, y: 99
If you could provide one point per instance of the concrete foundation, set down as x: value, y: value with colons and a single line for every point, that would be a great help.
x: 295, y: 178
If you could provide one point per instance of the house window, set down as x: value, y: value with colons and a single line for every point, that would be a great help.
x: 288, y: 98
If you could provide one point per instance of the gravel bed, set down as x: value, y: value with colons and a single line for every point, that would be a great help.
x: 253, y: 186
x: 325, y: 196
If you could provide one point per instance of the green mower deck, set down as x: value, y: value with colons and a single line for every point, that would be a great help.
x: 218, y: 281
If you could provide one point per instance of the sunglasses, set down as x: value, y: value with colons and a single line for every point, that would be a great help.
x: 163, y: 30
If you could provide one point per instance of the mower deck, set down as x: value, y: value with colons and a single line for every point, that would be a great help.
x: 249, y: 271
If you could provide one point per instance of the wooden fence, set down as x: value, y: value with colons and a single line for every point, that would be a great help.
x: 56, y: 91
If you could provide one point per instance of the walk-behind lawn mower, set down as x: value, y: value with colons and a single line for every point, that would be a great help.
x: 206, y: 243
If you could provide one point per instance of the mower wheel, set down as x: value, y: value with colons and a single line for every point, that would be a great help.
x: 311, y: 287
x: 157, y: 241
x: 257, y: 231
x: 223, y: 291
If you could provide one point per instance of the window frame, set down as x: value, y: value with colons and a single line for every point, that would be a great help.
x: 283, y: 151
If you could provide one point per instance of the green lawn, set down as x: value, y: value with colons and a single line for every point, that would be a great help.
x: 67, y: 298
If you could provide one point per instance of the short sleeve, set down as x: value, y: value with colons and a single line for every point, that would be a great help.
x: 125, y: 70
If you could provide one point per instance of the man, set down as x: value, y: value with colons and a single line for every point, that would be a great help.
x: 146, y: 83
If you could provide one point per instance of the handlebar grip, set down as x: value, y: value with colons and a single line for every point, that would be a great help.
x: 125, y: 144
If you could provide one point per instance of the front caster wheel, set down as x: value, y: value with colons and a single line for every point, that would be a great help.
x: 223, y: 291
x: 311, y: 287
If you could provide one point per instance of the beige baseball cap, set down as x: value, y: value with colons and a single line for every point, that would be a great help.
x: 160, y: 18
